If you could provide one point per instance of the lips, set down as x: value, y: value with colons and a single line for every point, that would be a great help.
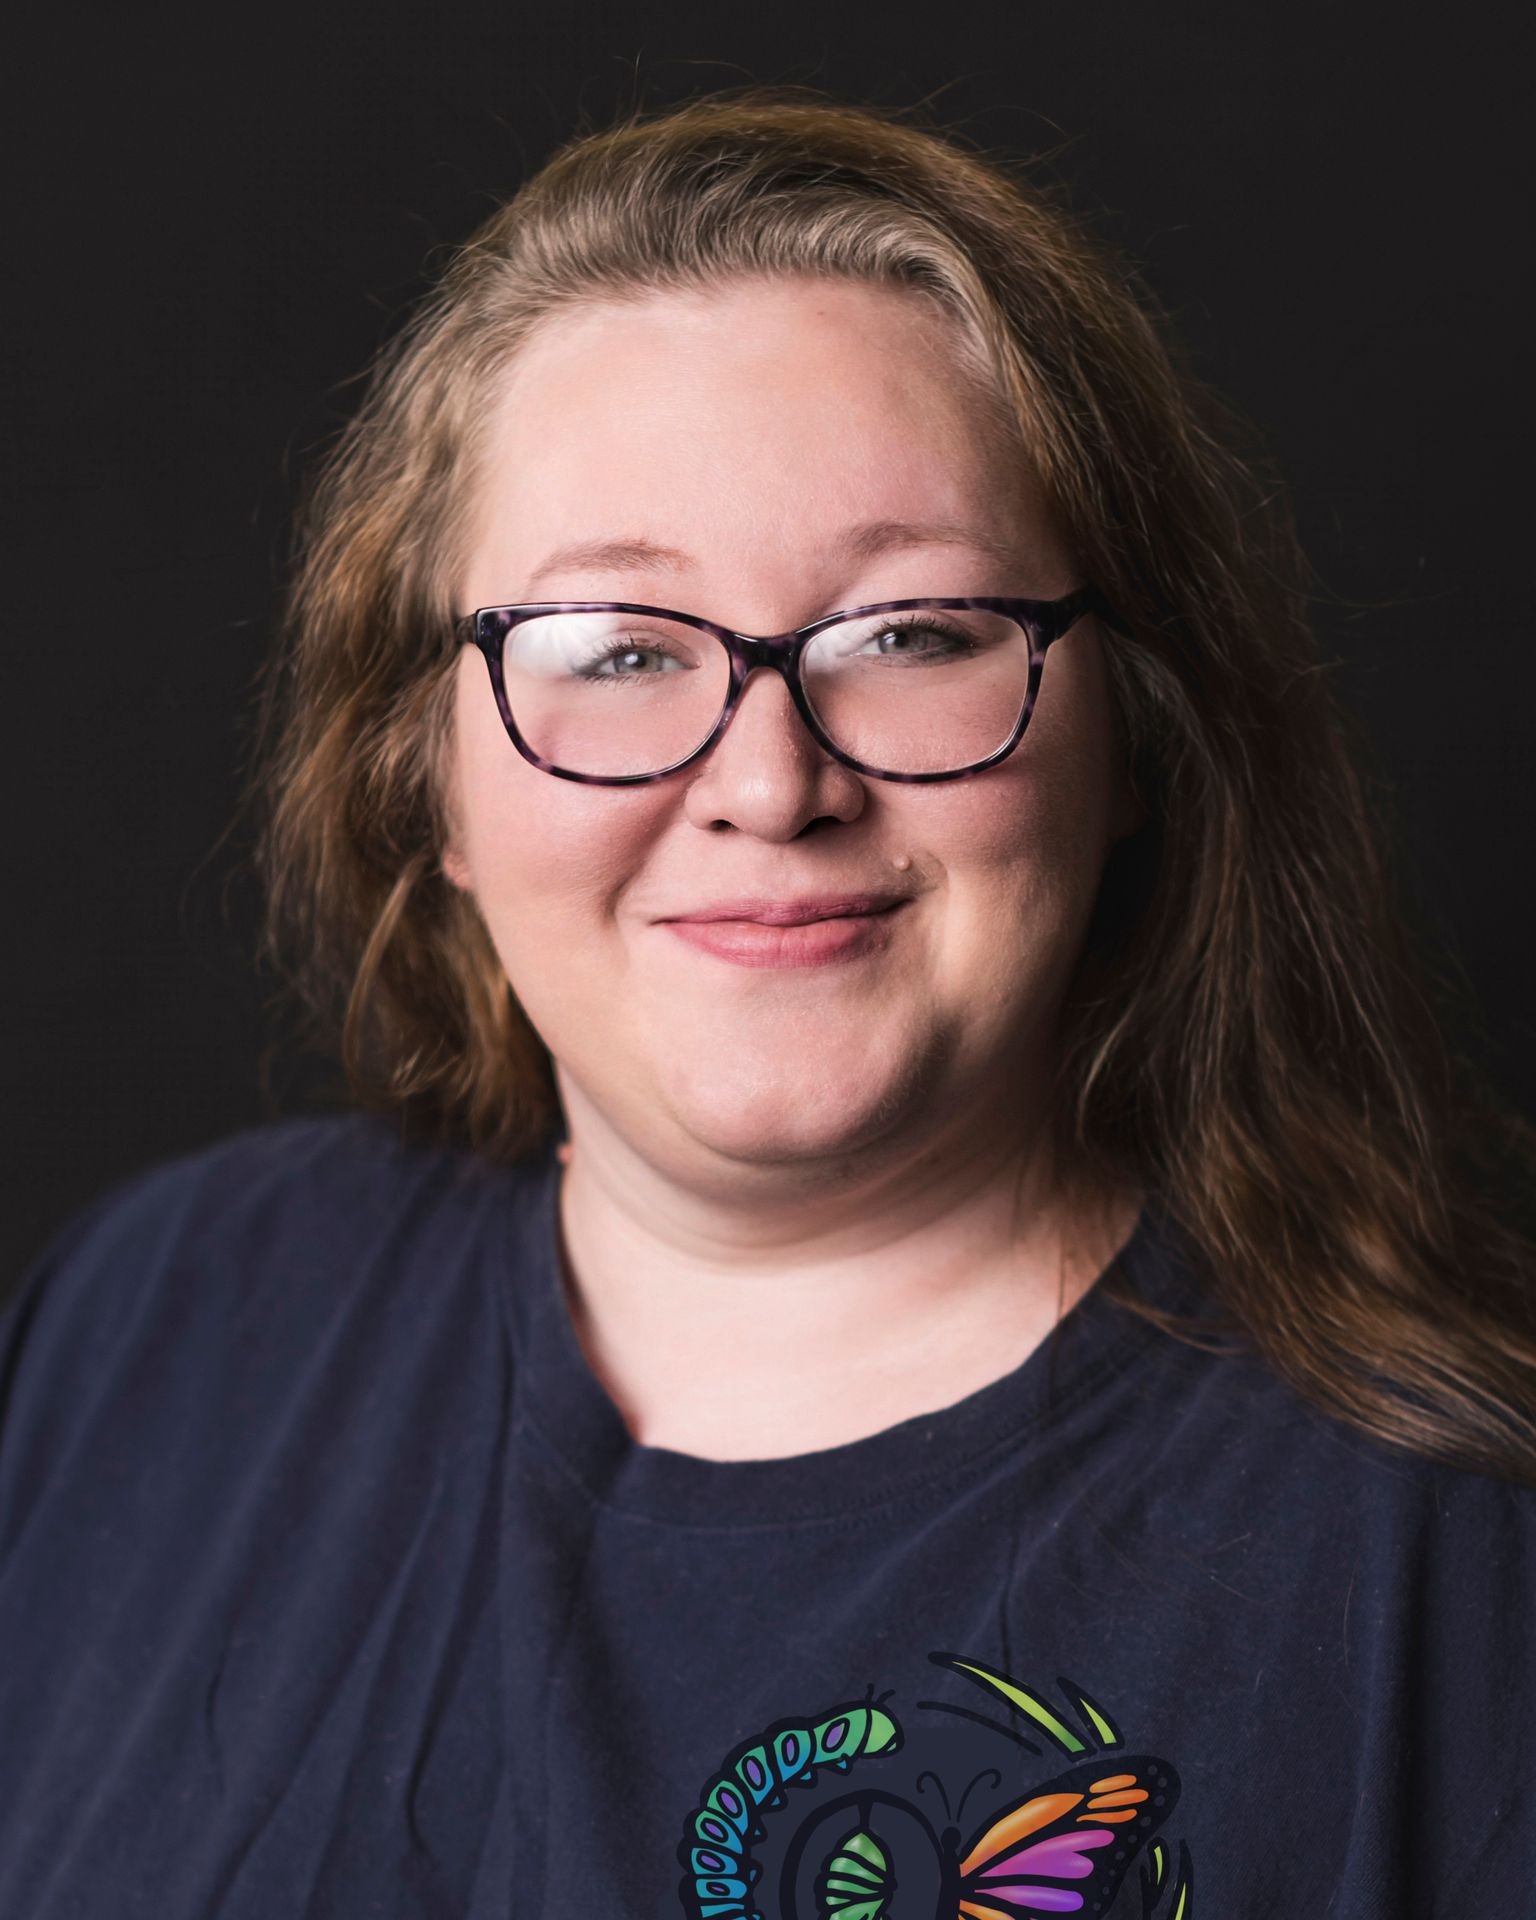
x: 793, y: 913
x: 814, y: 930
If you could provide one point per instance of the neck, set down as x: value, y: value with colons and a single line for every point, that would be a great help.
x: 819, y: 1315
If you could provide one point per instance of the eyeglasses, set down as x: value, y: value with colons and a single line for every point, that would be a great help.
x: 614, y: 693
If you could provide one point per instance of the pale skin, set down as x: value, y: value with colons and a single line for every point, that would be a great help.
x: 801, y: 1204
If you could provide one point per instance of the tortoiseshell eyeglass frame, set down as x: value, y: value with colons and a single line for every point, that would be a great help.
x: 1043, y: 622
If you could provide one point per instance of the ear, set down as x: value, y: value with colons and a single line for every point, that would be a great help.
x: 456, y: 867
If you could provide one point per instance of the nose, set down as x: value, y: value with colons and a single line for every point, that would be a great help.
x: 767, y: 774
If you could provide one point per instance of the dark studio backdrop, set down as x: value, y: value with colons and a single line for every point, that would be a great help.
x: 218, y: 218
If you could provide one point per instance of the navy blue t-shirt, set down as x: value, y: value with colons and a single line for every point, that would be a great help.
x: 332, y: 1584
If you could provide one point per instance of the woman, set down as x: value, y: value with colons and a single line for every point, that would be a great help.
x: 910, y: 1316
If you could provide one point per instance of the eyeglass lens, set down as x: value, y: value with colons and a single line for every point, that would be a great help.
x: 919, y: 691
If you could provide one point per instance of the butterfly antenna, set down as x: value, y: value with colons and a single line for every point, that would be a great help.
x: 997, y: 1781
x: 927, y: 1774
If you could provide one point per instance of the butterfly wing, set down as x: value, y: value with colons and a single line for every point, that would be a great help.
x: 1066, y: 1846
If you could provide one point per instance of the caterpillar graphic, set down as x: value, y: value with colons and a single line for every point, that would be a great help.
x: 717, y: 1842
x: 1063, y: 1846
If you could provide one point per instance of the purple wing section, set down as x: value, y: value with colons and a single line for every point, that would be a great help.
x: 1064, y: 1856
x: 1039, y: 1899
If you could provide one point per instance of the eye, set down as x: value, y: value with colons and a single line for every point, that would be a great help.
x: 623, y: 656
x: 906, y: 632
x: 918, y: 637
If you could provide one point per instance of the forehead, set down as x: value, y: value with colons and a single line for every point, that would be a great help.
x: 748, y: 417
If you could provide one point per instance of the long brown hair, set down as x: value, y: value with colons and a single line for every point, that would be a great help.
x: 1249, y: 1036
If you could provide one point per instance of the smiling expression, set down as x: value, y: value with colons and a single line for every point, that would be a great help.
x: 761, y: 454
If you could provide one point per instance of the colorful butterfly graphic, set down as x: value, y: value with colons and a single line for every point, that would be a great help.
x: 1063, y: 1846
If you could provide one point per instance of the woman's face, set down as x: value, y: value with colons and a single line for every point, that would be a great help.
x: 797, y: 447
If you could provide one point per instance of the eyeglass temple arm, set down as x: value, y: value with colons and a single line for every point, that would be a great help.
x: 1091, y: 600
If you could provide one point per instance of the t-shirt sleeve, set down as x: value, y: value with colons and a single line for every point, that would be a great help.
x: 139, y: 1298
x: 63, y: 1318
x: 253, y: 1409
x: 1467, y: 1705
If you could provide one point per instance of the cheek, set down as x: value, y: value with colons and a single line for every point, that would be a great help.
x: 1023, y: 849
x: 544, y: 855
x: 550, y: 858
x: 1035, y: 821
x: 1059, y: 780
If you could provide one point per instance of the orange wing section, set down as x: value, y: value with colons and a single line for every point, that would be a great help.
x: 1016, y: 1826
x: 1119, y: 1790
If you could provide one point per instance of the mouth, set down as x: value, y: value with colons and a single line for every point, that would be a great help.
x: 793, y: 913
x: 823, y: 940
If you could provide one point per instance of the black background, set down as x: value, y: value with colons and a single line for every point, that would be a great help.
x: 218, y: 218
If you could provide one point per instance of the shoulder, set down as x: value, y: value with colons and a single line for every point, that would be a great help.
x: 299, y: 1298
x: 251, y: 1246
x: 320, y: 1177
x: 225, y: 1195
x: 1205, y: 1380
x: 1313, y: 1489
x: 326, y: 1162
x: 301, y: 1329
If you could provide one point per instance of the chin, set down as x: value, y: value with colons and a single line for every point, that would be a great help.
x: 792, y: 1122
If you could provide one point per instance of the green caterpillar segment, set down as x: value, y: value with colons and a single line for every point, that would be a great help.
x: 733, y: 1800
x: 857, y: 1881
x: 792, y: 1754
x: 851, y: 1733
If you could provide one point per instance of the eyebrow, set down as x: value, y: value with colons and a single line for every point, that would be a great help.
x: 868, y: 540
